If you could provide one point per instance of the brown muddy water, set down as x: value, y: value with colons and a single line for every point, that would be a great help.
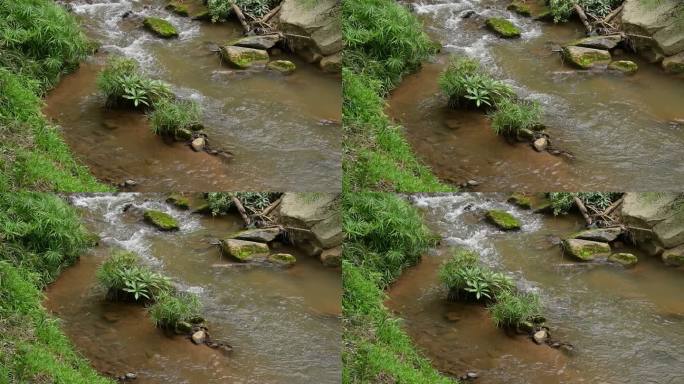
x: 618, y: 128
x: 282, y: 130
x: 283, y: 324
x: 626, y: 325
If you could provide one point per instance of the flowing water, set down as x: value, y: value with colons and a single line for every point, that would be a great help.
x: 626, y: 325
x: 282, y: 130
x: 620, y: 129
x: 283, y: 324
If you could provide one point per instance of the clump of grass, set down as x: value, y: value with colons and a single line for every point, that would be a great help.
x: 123, y: 84
x: 171, y: 116
x: 171, y: 309
x: 563, y: 202
x: 126, y: 280
x: 221, y: 203
x: 221, y: 10
x: 562, y: 10
x: 467, y: 280
x: 467, y: 85
x: 513, y: 309
x: 512, y: 116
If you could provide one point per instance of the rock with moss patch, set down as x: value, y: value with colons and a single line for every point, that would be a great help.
x: 627, y: 67
x: 604, y: 235
x: 503, y: 220
x: 182, y: 134
x: 261, y: 235
x: 586, y: 58
x: 195, y: 9
x: 624, y: 259
x: 242, y: 57
x: 160, y: 27
x: 178, y: 200
x: 674, y: 256
x: 674, y: 64
x: 285, y: 67
x: 503, y: 27
x: 161, y: 220
x: 178, y: 7
x: 257, y: 41
x: 283, y: 259
x: 521, y: 200
x: 585, y: 250
x: 243, y: 250
x: 520, y: 8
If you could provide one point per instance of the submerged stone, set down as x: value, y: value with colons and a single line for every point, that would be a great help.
x: 624, y: 259
x: 161, y: 220
x: 674, y: 257
x: 283, y: 66
x: 284, y: 259
x: 160, y: 27
x: 503, y: 27
x: 585, y: 250
x: 243, y: 250
x: 625, y: 66
x: 503, y: 220
x: 586, y: 58
x: 242, y: 57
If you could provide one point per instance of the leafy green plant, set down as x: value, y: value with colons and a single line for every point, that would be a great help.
x: 123, y: 84
x: 562, y: 10
x: 513, y: 309
x: 171, y: 309
x: 466, y: 279
x: 124, y: 279
x: 170, y: 116
x: 511, y: 116
x: 221, y: 10
x: 221, y: 203
x: 466, y: 84
x: 563, y: 202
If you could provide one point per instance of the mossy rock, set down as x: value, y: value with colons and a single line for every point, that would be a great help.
x: 585, y: 250
x: 520, y: 8
x: 178, y: 200
x: 183, y: 134
x: 179, y: 8
x: 285, y: 67
x: 586, y: 58
x: 674, y: 64
x: 242, y: 57
x: 160, y: 27
x: 674, y: 257
x: 242, y: 250
x: 283, y: 259
x: 503, y: 220
x: 161, y: 220
x: 521, y: 200
x: 625, y: 66
x: 624, y: 259
x: 503, y: 27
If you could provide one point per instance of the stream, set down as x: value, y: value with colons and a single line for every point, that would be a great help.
x: 618, y: 128
x: 262, y: 311
x: 282, y: 130
x: 625, y: 325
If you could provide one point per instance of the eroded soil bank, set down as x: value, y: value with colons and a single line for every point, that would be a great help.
x: 282, y: 130
x: 622, y: 131
x: 283, y: 323
x: 624, y: 325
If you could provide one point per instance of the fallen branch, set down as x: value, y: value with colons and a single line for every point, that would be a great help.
x: 582, y: 209
x: 583, y: 17
x: 613, y: 206
x: 240, y: 16
x: 271, y: 207
x: 241, y: 209
x: 269, y: 15
x: 614, y: 13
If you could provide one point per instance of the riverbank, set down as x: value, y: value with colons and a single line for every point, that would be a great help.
x: 33, y: 155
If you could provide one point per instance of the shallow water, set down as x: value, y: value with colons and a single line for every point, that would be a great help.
x: 282, y: 130
x: 626, y: 325
x: 282, y: 323
x: 618, y: 128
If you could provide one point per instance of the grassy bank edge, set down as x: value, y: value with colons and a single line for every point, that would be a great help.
x: 385, y: 235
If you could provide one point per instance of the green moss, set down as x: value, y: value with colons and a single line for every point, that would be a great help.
x: 178, y: 8
x: 161, y: 220
x: 243, y: 250
x: 160, y: 27
x: 282, y: 259
x: 585, y: 58
x: 624, y: 66
x: 503, y: 220
x: 178, y: 200
x: 503, y: 27
x: 282, y: 66
x: 521, y: 200
x: 520, y: 8
x: 585, y: 250
x: 625, y: 259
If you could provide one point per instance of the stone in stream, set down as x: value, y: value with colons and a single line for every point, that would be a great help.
x: 661, y: 215
x: 160, y: 27
x: 183, y: 328
x: 242, y: 250
x: 319, y: 213
x: 262, y: 42
x: 520, y: 199
x: 525, y: 134
x: 503, y: 27
x: 586, y: 58
x: 161, y: 220
x: 585, y: 250
x: 659, y: 22
x: 283, y: 259
x: 199, y: 337
x: 674, y: 256
x: 503, y: 220
x: 520, y: 8
x: 178, y: 200
x: 627, y: 67
x: 182, y: 134
x: 332, y: 63
x: 285, y: 67
x: 623, y: 258
x: 243, y: 58
x: 605, y: 43
x: 674, y: 64
x: 332, y: 257
x: 540, y: 336
x: 540, y: 144
x: 198, y: 144
x: 320, y: 21
x: 604, y: 235
x: 261, y: 235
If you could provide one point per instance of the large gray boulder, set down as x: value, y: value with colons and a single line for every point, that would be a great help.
x: 658, y: 22
x: 655, y: 217
x: 317, y: 212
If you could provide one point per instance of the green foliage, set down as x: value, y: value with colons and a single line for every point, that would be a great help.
x: 125, y: 279
x: 220, y: 10
x: 221, y: 203
x: 123, y: 84
x: 511, y: 116
x: 465, y: 83
x: 169, y: 116
x: 466, y: 279
x: 563, y: 202
x: 171, y: 309
x: 562, y: 10
x: 512, y: 309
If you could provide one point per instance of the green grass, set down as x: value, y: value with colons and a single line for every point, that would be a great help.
x: 513, y: 309
x: 467, y: 84
x: 220, y: 10
x: 39, y: 235
x: 384, y: 236
x: 220, y: 203
x: 124, y: 85
x: 562, y: 10
x: 171, y: 116
x: 384, y: 42
x: 171, y: 309
x: 466, y: 279
x: 563, y: 202
x: 513, y: 116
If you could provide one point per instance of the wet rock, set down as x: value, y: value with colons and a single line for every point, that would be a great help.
x: 183, y: 134
x: 242, y: 250
x: 624, y: 259
x: 198, y: 144
x: 520, y: 199
x: 585, y: 250
x: 130, y: 183
x: 525, y: 134
x: 466, y: 14
x: 674, y: 64
x: 199, y: 337
x: 178, y: 200
x: 178, y: 7
x: 161, y: 220
x: 606, y: 42
x: 262, y: 42
x: 261, y: 235
x: 160, y: 27
x: 332, y: 63
x: 660, y: 24
x: 520, y: 8
x: 625, y: 66
x: 318, y: 212
x: 674, y: 257
x: 503, y: 220
x: 332, y: 257
x: 540, y: 144
x: 130, y: 376
x: 604, y: 235
x: 183, y: 328
x: 659, y: 212
x: 586, y: 58
x: 540, y: 336
x: 243, y: 58
x: 285, y: 67
x: 320, y: 20
x: 309, y: 247
x: 503, y: 27
x: 283, y: 259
